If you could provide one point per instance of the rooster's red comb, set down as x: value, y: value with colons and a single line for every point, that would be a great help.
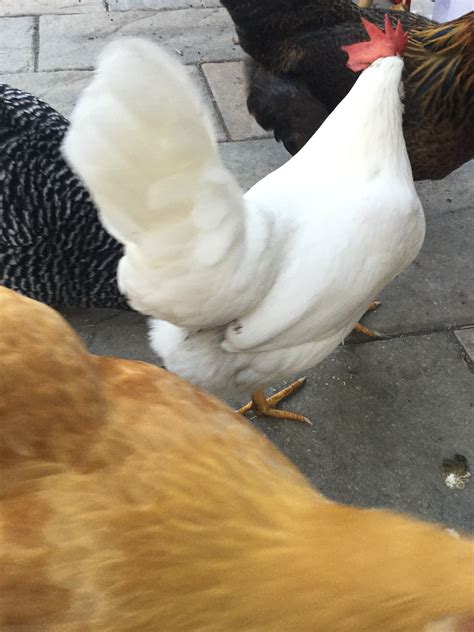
x: 392, y: 42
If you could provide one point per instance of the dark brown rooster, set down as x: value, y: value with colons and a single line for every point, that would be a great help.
x: 297, y: 74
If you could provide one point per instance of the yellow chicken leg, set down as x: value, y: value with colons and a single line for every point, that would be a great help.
x: 266, y: 405
x: 362, y: 329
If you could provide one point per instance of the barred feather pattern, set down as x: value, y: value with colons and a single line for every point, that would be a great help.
x: 52, y: 245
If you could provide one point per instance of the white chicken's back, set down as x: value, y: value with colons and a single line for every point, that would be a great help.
x: 260, y: 288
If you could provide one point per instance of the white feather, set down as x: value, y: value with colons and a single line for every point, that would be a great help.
x: 257, y: 287
x: 142, y: 142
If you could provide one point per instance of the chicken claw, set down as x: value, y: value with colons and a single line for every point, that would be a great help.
x: 266, y: 405
x: 362, y: 329
x: 371, y: 333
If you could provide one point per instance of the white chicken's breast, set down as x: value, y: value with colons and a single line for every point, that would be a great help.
x: 245, y: 290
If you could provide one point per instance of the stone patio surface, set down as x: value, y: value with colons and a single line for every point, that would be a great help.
x: 386, y: 413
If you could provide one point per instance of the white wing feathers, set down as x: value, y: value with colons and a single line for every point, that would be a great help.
x: 143, y: 143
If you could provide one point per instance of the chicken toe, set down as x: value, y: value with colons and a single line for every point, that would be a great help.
x: 267, y: 405
x: 362, y: 329
x: 370, y: 333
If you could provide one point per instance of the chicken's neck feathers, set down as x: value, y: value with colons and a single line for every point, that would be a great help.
x: 368, y: 125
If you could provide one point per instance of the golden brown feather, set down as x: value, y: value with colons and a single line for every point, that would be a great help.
x: 129, y: 500
x: 438, y: 56
x: 295, y: 46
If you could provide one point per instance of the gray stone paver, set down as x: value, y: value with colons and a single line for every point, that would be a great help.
x: 16, y: 44
x: 74, y: 41
x: 89, y: 322
x: 41, y: 7
x: 59, y: 89
x: 201, y: 84
x: 157, y: 5
x: 442, y: 197
x: 466, y: 338
x: 249, y: 161
x: 228, y: 86
x: 110, y: 335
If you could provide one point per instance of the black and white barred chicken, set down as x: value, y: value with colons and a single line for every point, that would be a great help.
x: 52, y: 245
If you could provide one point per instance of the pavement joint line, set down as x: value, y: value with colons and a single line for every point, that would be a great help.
x: 82, y: 68
x: 226, y: 61
x: 462, y: 351
x: 92, y: 68
x: 85, y: 69
x: 253, y: 138
x: 39, y: 15
x: 220, y: 117
x: 106, y: 4
x: 36, y: 42
x: 166, y: 9
x: 463, y: 209
x: 94, y: 327
x: 262, y: 137
x: 446, y: 329
x: 107, y: 319
x: 94, y: 335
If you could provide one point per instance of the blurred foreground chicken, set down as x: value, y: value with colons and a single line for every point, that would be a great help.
x: 298, y: 74
x: 131, y: 501
x: 248, y: 289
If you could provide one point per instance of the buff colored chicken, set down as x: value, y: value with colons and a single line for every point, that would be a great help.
x: 131, y: 501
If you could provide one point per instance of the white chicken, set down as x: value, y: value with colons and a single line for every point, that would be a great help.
x: 247, y: 289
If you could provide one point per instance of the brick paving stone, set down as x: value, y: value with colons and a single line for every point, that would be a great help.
x: 250, y: 160
x: 40, y: 7
x: 456, y: 192
x: 16, y: 44
x: 157, y: 5
x: 59, y: 89
x: 128, y: 326
x: 70, y: 42
x: 466, y: 338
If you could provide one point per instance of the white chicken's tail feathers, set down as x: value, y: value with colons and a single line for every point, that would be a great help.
x: 142, y: 141
x: 139, y: 137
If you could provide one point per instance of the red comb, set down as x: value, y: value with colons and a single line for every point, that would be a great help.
x: 392, y: 42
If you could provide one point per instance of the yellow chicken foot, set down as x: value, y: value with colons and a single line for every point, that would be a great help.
x: 371, y: 307
x: 362, y: 329
x: 266, y: 405
x: 371, y: 333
